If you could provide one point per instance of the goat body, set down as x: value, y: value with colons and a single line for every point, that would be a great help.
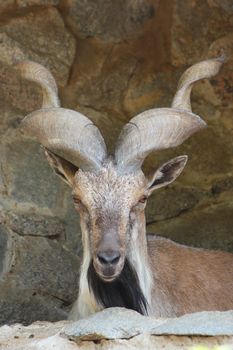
x: 189, y: 279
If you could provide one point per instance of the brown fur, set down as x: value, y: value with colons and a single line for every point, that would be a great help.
x: 189, y: 279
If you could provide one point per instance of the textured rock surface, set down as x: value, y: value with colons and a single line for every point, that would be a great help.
x: 38, y: 277
x: 114, y: 323
x: 45, y: 41
x: 112, y: 60
x: 122, y: 329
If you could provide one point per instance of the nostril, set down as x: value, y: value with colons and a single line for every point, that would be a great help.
x: 115, y: 260
x: 108, y: 257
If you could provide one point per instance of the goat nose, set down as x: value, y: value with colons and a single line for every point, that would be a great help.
x: 109, y: 257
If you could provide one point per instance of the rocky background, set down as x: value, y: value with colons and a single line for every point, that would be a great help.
x: 111, y: 60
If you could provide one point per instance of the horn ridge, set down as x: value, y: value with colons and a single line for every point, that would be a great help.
x: 201, y: 70
x: 68, y: 134
x: 162, y: 128
x: 40, y: 75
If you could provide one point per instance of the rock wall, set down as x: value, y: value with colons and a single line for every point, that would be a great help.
x: 111, y: 60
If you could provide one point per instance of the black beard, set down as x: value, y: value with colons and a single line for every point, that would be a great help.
x: 124, y: 291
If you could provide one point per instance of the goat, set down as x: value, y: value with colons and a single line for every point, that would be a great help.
x: 121, y: 266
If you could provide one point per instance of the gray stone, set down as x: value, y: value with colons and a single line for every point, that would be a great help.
x: 36, y: 225
x: 42, y: 37
x: 72, y: 226
x: 205, y: 151
x: 209, y: 228
x: 114, y: 323
x: 38, y: 279
x: 26, y: 3
x: 222, y: 185
x: 7, y: 6
x: 46, y: 336
x: 105, y: 71
x: 105, y: 124
x: 154, y: 90
x: 18, y: 97
x: 10, y: 49
x: 30, y: 177
x: 26, y: 307
x: 172, y: 201
x: 3, y: 248
x: 100, y: 82
x: 111, y: 323
x: 222, y: 83
x: 191, y: 34
x: 110, y: 21
x: 211, y: 323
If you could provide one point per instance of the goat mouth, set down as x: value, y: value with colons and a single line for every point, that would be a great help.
x: 108, y: 279
x: 107, y: 273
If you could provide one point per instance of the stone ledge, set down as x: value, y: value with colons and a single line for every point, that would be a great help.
x: 118, y: 328
x: 119, y: 323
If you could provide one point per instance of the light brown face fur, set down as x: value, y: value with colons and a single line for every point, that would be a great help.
x: 107, y: 203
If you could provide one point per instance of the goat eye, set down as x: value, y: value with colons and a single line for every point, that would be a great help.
x: 142, y: 199
x: 79, y: 204
x: 77, y: 200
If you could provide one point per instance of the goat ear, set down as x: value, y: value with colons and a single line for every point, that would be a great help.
x: 167, y: 173
x: 64, y: 169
